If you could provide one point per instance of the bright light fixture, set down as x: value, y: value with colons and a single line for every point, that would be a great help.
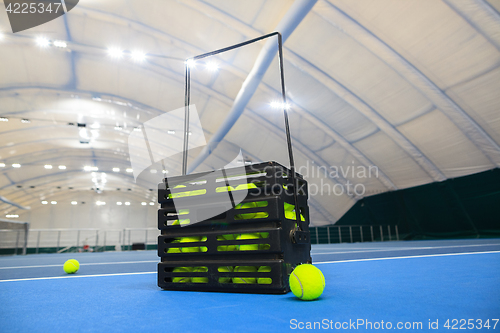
x: 2, y: 165
x: 42, y: 42
x: 138, y: 56
x: 171, y: 132
x: 129, y: 170
x: 190, y: 63
x: 25, y: 121
x: 47, y: 166
x: 60, y: 43
x: 280, y: 105
x: 143, y: 203
x: 62, y: 167
x: 54, y: 202
x: 212, y: 66
x: 151, y: 203
x: 44, y: 202
x: 100, y: 203
x: 74, y: 202
x: 16, y: 165
x: 164, y: 171
x: 11, y: 216
x: 114, y: 52
x: 119, y: 203
x: 4, y: 119
x: 116, y: 169
x: 127, y: 203
x: 90, y: 168
x: 118, y: 128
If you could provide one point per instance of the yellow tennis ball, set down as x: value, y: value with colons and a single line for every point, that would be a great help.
x: 174, y: 249
x: 225, y: 269
x: 190, y: 240
x: 247, y: 216
x: 307, y: 282
x: 199, y: 279
x: 244, y: 269
x: 182, y: 279
x: 71, y: 266
x: 245, y: 186
x: 264, y: 269
x: 248, y: 247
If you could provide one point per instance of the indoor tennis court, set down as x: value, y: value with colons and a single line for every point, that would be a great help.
x: 250, y: 165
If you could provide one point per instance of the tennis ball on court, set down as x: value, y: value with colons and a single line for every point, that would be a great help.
x: 248, y: 247
x: 199, y: 279
x: 264, y: 269
x: 245, y: 269
x: 71, y: 266
x: 225, y: 269
x: 307, y: 282
x: 182, y: 279
x: 190, y: 240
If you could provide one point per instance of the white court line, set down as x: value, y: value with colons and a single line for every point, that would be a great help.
x: 87, y: 264
x: 407, y: 248
x: 77, y: 276
x: 407, y: 257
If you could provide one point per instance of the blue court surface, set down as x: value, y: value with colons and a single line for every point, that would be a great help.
x: 406, y: 285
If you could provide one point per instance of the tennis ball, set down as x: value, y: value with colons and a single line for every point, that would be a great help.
x: 307, y: 282
x: 199, y: 279
x: 248, y: 247
x: 71, y: 266
x: 264, y: 269
x: 245, y: 269
x: 247, y: 216
x: 245, y: 186
x: 190, y: 240
x: 225, y: 269
x: 182, y: 279
x: 174, y: 249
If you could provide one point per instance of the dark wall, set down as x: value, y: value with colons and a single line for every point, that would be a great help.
x: 461, y: 207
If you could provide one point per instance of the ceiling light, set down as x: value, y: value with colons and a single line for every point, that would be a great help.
x: 90, y: 168
x: 170, y: 132
x: 11, y: 216
x: 137, y: 128
x: 25, y: 121
x: 129, y: 170
x: 114, y: 52
x: 212, y: 66
x: 2, y: 165
x: 119, y: 203
x: 138, y: 56
x: 42, y: 42
x: 60, y: 43
x: 44, y: 202
x: 127, y: 203
x: 164, y: 171
x: 4, y: 119
x: 116, y: 169
x: 54, y: 202
x: 62, y: 167
x: 118, y: 128
x: 190, y: 63
x: 100, y: 203
x: 151, y: 203
x: 279, y: 105
x: 143, y: 203
x: 16, y: 165
x: 74, y: 202
x: 47, y: 166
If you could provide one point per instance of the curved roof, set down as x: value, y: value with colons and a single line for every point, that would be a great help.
x: 406, y: 90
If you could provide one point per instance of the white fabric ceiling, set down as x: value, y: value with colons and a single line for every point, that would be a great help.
x: 411, y: 87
